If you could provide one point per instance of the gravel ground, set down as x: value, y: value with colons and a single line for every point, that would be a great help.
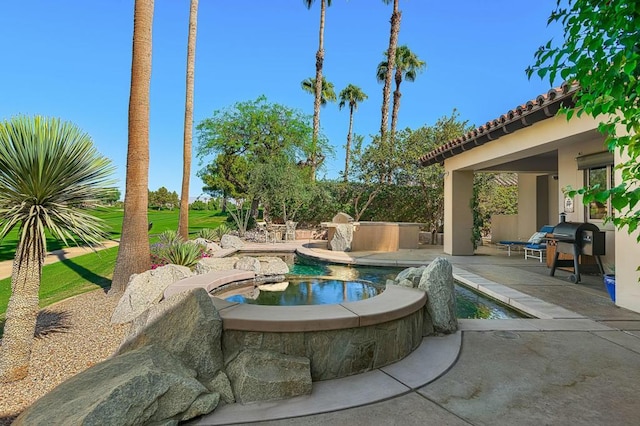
x: 72, y: 336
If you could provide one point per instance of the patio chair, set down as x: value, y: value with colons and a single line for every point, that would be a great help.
x: 534, y: 248
x: 290, y: 231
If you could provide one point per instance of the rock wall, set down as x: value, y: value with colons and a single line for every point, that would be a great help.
x: 335, y: 353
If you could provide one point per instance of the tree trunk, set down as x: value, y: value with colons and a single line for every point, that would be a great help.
x: 22, y: 311
x: 183, y: 222
x: 348, y: 148
x: 318, y: 94
x: 394, y: 121
x: 391, y: 62
x: 133, y: 253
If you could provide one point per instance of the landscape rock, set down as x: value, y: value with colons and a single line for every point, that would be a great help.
x: 342, y: 238
x: 281, y: 286
x: 413, y: 275
x: 248, y: 263
x: 210, y: 264
x: 231, y: 241
x: 146, y: 289
x: 264, y: 375
x: 203, y: 404
x: 188, y: 326
x: 273, y: 266
x: 342, y: 218
x: 437, y: 282
x: 140, y: 387
x: 209, y: 246
x: 221, y: 385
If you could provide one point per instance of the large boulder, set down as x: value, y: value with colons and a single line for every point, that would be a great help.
x: 264, y: 375
x: 188, y: 326
x: 209, y: 246
x: 231, y: 241
x: 146, y: 289
x: 342, y: 237
x: 437, y: 282
x: 144, y: 386
x: 273, y: 266
x: 410, y: 277
x: 248, y: 263
x: 210, y: 264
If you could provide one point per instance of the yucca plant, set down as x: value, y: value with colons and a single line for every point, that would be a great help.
x: 221, y: 230
x: 208, y: 234
x: 185, y: 254
x: 50, y: 173
x: 169, y: 237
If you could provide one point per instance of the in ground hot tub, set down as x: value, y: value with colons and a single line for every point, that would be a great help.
x: 339, y: 339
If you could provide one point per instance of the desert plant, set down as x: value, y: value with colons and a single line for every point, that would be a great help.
x: 169, y: 237
x: 221, y: 230
x: 185, y: 254
x: 208, y: 234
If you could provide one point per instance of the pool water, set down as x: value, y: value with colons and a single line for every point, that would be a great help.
x: 312, y: 283
x: 308, y: 291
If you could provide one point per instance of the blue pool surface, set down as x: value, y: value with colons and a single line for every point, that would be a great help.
x: 313, y: 283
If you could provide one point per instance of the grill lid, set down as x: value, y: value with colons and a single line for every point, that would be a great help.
x: 572, y: 230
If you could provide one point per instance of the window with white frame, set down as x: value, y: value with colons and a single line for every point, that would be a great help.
x: 598, y: 170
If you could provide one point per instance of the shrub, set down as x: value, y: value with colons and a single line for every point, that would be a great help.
x: 220, y: 231
x: 185, y: 254
x: 208, y: 234
x: 198, y: 205
x: 169, y: 237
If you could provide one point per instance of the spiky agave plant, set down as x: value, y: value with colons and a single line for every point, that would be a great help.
x: 50, y: 174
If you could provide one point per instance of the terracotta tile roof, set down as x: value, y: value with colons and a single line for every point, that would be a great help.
x: 542, y: 107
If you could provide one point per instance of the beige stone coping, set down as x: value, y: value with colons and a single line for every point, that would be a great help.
x: 393, y: 303
x: 209, y: 281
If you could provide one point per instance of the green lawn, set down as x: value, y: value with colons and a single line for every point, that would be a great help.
x: 91, y: 271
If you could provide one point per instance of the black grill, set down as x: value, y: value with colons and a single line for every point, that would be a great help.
x: 576, y: 239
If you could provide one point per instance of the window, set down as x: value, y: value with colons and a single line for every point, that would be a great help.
x: 603, y: 176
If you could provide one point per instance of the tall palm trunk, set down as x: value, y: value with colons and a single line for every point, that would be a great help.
x: 394, y: 121
x: 348, y: 148
x: 318, y: 94
x: 22, y: 311
x: 133, y: 254
x: 396, y: 16
x: 183, y: 222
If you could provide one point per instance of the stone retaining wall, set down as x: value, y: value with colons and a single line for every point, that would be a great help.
x: 336, y: 353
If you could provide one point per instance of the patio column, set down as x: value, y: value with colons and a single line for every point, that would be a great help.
x: 458, y: 220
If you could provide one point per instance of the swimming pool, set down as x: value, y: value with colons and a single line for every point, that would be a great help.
x: 310, y: 283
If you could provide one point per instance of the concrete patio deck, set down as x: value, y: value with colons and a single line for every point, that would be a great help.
x: 578, y: 362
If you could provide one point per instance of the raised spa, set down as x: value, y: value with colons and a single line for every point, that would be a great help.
x: 303, y: 291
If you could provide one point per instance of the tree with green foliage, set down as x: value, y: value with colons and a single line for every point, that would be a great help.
x: 42, y: 191
x: 314, y: 160
x: 327, y: 90
x: 407, y: 66
x: 601, y: 53
x: 111, y: 196
x: 352, y: 96
x: 163, y: 199
x: 247, y: 134
x: 283, y: 188
x: 408, y: 172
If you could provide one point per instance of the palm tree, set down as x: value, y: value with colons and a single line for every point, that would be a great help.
x: 396, y: 16
x: 318, y: 79
x: 407, y: 66
x: 350, y: 95
x: 133, y: 254
x: 327, y: 93
x: 50, y: 173
x: 183, y: 222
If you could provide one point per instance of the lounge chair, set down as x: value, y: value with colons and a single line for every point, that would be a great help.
x: 534, y: 247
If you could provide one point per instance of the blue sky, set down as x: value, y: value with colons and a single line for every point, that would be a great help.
x: 72, y: 59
